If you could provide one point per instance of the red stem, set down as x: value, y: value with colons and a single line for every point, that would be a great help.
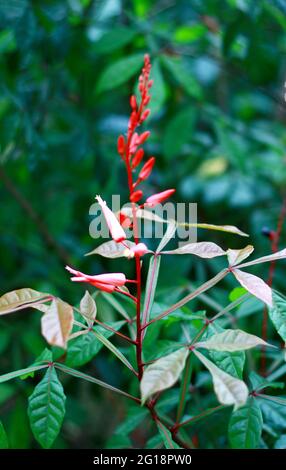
x: 140, y: 365
x: 274, y: 248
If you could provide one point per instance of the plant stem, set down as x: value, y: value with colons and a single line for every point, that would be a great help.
x: 184, y: 389
x: 137, y: 263
x: 173, y: 431
x: 201, y: 415
x: 274, y: 248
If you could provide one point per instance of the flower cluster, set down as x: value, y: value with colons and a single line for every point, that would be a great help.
x: 130, y: 149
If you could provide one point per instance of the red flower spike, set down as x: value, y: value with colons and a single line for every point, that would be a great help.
x: 159, y: 197
x: 137, y: 158
x: 136, y: 196
x: 121, y: 145
x: 147, y: 169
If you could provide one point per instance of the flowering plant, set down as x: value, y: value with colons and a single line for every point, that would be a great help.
x: 156, y: 365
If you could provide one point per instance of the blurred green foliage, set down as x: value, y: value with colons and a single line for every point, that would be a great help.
x: 218, y: 118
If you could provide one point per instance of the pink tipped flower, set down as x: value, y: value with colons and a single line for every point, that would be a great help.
x: 159, y: 197
x: 124, y: 220
x: 105, y: 282
x: 114, y: 226
x: 147, y: 169
x: 139, y: 250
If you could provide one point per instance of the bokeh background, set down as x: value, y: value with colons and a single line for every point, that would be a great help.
x: 217, y: 126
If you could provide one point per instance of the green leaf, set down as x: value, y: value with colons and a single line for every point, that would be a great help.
x: 245, y: 426
x: 19, y: 299
x: 183, y: 76
x: 184, y: 387
x: 200, y: 290
x: 47, y: 408
x: 259, y: 383
x: 84, y: 348
x: 277, y: 314
x: 3, y: 438
x: 151, y: 284
x: 112, y: 348
x: 134, y: 417
x: 118, y: 307
x: 274, y: 414
x: 44, y: 357
x: 232, y: 363
x: 231, y: 340
x: 119, y: 72
x: 89, y: 378
x: 163, y: 348
x: 167, y: 437
x: 163, y: 373
x: 237, y: 293
x: 114, y: 39
x: 21, y: 372
x: 178, y: 132
x: 281, y: 442
x: 229, y: 390
x: 117, y: 441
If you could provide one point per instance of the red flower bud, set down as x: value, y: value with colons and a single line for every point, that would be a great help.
x: 147, y: 169
x: 143, y: 137
x: 145, y: 114
x: 121, y: 145
x: 134, y: 143
x: 137, y: 158
x: 133, y: 102
x: 136, y: 196
x: 159, y: 197
x: 146, y: 100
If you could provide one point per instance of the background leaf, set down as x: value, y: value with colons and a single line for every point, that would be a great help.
x: 47, y: 408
